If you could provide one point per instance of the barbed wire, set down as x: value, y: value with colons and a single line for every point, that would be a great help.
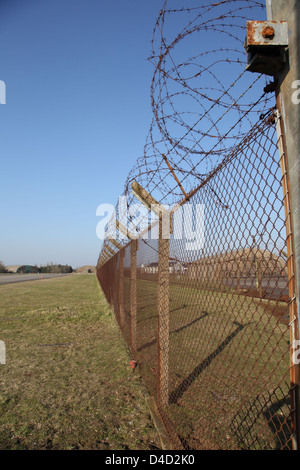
x: 203, y: 100
x: 212, y: 142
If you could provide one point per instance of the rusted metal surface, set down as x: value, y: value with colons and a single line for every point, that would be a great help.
x: 133, y: 298
x: 267, y: 33
x: 211, y: 328
x: 266, y: 44
x: 121, y: 288
x: 293, y: 312
x: 289, y: 10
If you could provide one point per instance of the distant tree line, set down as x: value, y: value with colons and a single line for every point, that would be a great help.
x: 50, y: 268
x: 3, y: 268
x: 56, y: 268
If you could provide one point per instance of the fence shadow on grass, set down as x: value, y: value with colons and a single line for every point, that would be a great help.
x: 276, y: 414
x: 188, y: 381
x: 177, y: 330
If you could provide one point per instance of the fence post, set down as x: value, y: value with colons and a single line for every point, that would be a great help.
x: 164, y: 224
x: 121, y: 288
x: 163, y: 317
x: 292, y: 278
x: 288, y: 124
x: 133, y: 296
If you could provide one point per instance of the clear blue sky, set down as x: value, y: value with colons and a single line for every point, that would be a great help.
x: 76, y: 117
x: 75, y: 121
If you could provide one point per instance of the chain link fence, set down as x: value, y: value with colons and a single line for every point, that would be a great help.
x: 209, y: 328
x: 205, y: 297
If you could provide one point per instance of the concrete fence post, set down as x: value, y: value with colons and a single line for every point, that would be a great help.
x: 288, y: 131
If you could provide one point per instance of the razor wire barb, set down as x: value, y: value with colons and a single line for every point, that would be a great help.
x: 201, y: 104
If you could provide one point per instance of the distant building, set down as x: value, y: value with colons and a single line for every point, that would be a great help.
x: 13, y: 268
x: 27, y: 268
x: 86, y: 269
x: 174, y: 267
x: 243, y: 264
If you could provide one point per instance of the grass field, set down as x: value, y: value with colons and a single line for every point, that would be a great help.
x: 228, y: 366
x: 67, y: 383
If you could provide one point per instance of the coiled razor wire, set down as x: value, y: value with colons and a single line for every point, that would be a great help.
x: 203, y: 100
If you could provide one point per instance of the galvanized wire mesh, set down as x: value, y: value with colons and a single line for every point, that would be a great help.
x: 207, y: 310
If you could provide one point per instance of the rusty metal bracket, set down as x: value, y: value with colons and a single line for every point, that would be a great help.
x: 267, y: 46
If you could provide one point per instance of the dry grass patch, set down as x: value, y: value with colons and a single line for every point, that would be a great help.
x: 67, y: 383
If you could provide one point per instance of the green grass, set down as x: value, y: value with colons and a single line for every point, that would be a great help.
x: 67, y: 383
x: 228, y: 366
